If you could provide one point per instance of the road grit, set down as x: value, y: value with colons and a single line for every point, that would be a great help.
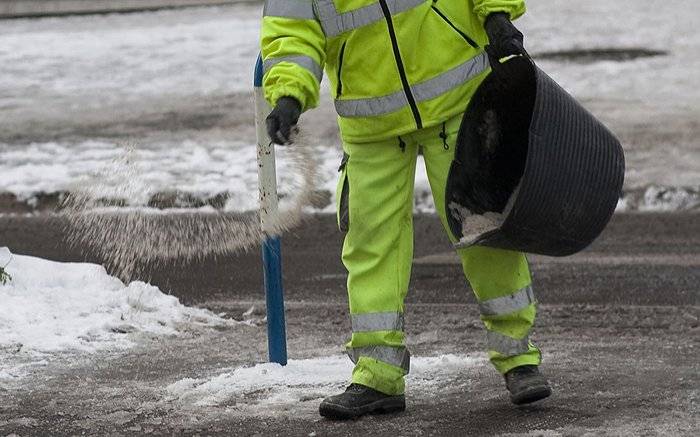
x: 614, y: 369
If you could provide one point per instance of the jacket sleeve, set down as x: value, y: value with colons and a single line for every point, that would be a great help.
x: 293, y: 51
x: 515, y: 8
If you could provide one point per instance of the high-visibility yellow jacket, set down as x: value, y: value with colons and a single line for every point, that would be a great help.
x: 394, y: 66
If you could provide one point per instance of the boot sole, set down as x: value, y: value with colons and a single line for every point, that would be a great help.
x: 384, y: 406
x: 532, y: 394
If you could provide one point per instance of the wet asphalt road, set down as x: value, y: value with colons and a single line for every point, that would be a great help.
x: 640, y: 259
x: 619, y: 325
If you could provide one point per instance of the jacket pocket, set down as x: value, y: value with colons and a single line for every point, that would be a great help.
x: 339, y: 87
x: 464, y: 36
x: 343, y: 195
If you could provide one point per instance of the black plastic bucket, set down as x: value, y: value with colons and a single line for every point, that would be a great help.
x: 530, y: 151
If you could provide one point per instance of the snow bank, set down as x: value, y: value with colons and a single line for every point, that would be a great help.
x: 201, y: 170
x: 51, y: 307
x: 656, y: 198
x: 204, y: 173
x: 309, y: 379
x: 41, y: 172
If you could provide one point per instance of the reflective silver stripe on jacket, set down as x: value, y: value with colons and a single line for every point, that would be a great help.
x: 505, y: 345
x: 299, y: 9
x: 396, y: 356
x: 451, y: 79
x: 508, y: 304
x: 389, y: 321
x: 372, y: 106
x: 302, y: 60
x: 422, y: 91
x: 334, y: 23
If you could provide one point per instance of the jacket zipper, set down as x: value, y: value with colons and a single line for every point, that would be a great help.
x: 339, y: 89
x: 469, y: 41
x: 399, y: 64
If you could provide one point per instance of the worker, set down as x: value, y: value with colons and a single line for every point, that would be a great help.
x: 401, y: 73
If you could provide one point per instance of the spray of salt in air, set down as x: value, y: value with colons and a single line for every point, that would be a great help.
x: 129, y: 237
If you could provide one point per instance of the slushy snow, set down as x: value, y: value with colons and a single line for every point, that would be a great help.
x: 309, y: 379
x: 81, y: 66
x: 51, y: 307
x: 201, y: 169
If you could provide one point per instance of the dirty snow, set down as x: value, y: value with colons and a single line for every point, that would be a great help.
x: 205, y: 170
x: 669, y: 199
x: 101, y: 60
x: 663, y: 82
x: 51, y: 307
x: 78, y: 69
x: 309, y: 379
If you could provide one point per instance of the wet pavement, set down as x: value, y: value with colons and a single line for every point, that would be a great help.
x: 618, y: 326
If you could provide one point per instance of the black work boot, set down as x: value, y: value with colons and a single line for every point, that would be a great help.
x: 358, y: 400
x: 526, y: 384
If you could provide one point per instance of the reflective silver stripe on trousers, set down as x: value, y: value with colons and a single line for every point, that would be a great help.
x: 300, y: 9
x: 505, y: 345
x: 508, y: 304
x: 334, y: 23
x: 423, y: 91
x: 389, y: 321
x: 302, y: 60
x: 396, y: 356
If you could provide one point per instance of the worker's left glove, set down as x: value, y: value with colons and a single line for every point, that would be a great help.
x: 504, y: 39
x: 283, y: 119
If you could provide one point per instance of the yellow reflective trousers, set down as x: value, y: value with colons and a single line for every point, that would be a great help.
x: 375, y: 209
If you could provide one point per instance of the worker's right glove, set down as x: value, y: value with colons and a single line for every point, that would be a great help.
x: 283, y: 119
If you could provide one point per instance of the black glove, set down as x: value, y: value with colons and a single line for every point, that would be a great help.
x: 504, y: 39
x: 283, y: 119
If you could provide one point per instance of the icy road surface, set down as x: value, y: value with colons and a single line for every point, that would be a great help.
x: 177, y: 84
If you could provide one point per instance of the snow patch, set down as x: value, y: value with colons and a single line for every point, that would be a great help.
x: 308, y: 379
x: 160, y: 59
x: 657, y: 198
x: 201, y: 171
x: 670, y: 199
x: 39, y: 174
x: 51, y: 307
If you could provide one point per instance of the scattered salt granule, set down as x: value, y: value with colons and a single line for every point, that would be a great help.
x: 128, y: 239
